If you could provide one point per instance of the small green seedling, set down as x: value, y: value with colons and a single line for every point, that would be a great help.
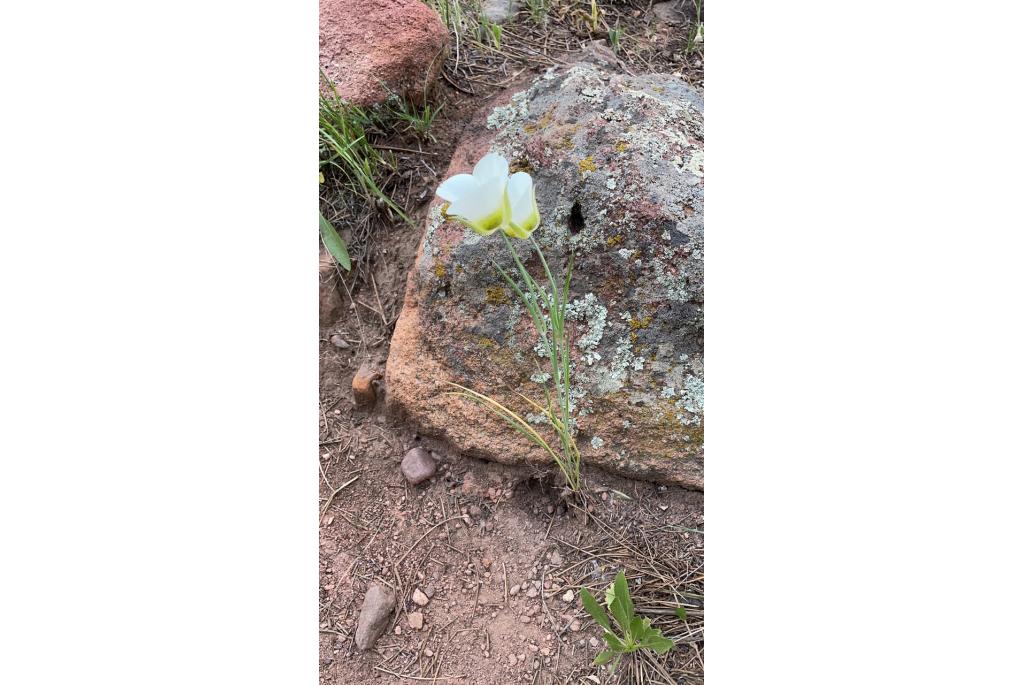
x: 635, y: 632
x: 615, y: 38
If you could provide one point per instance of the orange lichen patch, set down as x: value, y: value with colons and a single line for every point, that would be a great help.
x: 439, y: 270
x: 587, y: 164
x: 496, y: 295
x: 484, y: 341
x: 638, y: 325
x: 565, y: 144
x: 614, y: 240
x: 543, y: 122
x: 621, y: 146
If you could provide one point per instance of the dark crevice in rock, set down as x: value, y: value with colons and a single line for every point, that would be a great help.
x: 576, y: 221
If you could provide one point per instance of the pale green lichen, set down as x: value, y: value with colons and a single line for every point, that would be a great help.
x: 590, y: 310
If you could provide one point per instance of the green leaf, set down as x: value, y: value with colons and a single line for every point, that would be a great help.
x: 619, y: 602
x: 604, y: 657
x: 614, y: 642
x: 638, y: 628
x: 335, y: 245
x: 658, y: 643
x: 681, y: 612
x: 594, y: 609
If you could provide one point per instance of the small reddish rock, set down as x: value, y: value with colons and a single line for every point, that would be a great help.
x: 419, y: 598
x: 416, y: 620
x: 362, y: 387
x: 418, y: 465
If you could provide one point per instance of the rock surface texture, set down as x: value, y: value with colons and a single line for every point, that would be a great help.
x: 373, y: 617
x: 369, y: 48
x: 618, y: 166
x: 499, y: 11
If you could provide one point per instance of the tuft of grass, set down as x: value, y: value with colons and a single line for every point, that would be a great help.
x: 451, y: 14
x: 417, y: 120
x: 345, y: 148
x: 538, y: 10
x: 695, y: 37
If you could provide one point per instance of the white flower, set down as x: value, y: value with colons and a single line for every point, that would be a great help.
x: 489, y: 199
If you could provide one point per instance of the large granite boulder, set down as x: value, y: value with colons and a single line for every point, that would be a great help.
x: 618, y: 166
x: 372, y: 48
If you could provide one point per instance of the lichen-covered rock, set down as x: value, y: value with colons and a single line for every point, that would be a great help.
x: 372, y: 48
x: 618, y: 166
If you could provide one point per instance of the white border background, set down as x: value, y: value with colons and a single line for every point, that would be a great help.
x: 864, y: 356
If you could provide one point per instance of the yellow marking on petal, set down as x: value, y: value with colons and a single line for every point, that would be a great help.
x: 486, y: 226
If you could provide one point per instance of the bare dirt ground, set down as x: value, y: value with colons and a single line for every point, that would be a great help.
x: 499, y: 554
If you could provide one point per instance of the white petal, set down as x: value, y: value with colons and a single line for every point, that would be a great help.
x: 491, y: 165
x: 522, y: 203
x: 457, y: 186
x: 483, y: 208
x: 520, y: 186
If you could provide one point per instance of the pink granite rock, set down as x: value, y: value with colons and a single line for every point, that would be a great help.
x: 371, y: 47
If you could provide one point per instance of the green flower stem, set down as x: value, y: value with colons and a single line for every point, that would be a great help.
x: 556, y: 343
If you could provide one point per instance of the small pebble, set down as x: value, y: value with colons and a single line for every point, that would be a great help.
x: 568, y: 596
x: 420, y: 598
x: 594, y: 642
x: 416, y: 620
x: 575, y: 625
x: 418, y: 465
